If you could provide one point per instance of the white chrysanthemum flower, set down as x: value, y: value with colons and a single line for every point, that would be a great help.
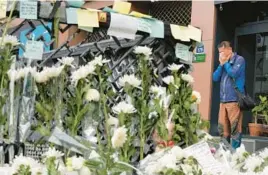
x: 169, y: 79
x: 9, y: 39
x: 196, y: 97
x: 130, y: 80
x: 92, y: 95
x: 53, y: 71
x: 93, y: 155
x: 124, y: 107
x: 20, y: 73
x: 75, y: 163
x: 82, y: 72
x: 112, y: 121
x: 178, y: 152
x: 66, y: 61
x: 52, y: 152
x: 253, y: 162
x: 158, y: 90
x: 264, y: 154
x: 175, y: 67
x: 84, y: 171
x: 33, y: 165
x: 41, y: 77
x: 165, y: 101
x: 98, y: 61
x: 187, y: 77
x: 146, y: 51
x: 168, y: 161
x: 119, y: 137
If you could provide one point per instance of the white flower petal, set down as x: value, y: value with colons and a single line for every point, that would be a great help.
x: 130, y: 80
x: 119, y: 137
x: 92, y: 95
x: 124, y: 107
x: 188, y: 78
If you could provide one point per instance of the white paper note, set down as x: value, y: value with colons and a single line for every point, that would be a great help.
x: 180, y: 32
x: 182, y: 51
x: 28, y: 9
x: 34, y: 50
x: 201, y: 152
x: 123, y: 26
x: 194, y: 33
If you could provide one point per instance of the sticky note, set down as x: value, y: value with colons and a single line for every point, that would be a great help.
x: 76, y: 3
x: 194, y: 33
x: 87, y: 18
x: 28, y: 9
x: 139, y: 15
x: 144, y: 25
x: 180, y: 32
x: 88, y: 29
x: 108, y: 9
x: 71, y: 15
x: 122, y: 7
x: 182, y: 51
x: 102, y: 17
x: 157, y: 28
x: 3, y: 8
x: 34, y: 50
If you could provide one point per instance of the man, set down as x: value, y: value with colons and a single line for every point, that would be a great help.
x: 230, y: 73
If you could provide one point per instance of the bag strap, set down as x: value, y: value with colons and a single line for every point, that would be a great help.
x: 234, y: 83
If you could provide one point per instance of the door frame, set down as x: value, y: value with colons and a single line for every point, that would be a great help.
x: 249, y: 29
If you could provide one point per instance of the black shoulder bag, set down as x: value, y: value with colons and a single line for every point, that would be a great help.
x: 245, y: 102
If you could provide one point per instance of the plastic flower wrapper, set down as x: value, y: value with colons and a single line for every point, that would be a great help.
x: 169, y: 161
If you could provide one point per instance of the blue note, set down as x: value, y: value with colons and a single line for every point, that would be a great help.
x: 71, y: 15
x: 108, y: 9
x: 152, y: 26
x: 39, y: 30
x: 76, y: 3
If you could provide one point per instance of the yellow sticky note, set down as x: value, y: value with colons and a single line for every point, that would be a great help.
x: 139, y: 15
x: 3, y: 8
x: 195, y: 33
x: 180, y: 32
x: 87, y: 18
x: 122, y: 7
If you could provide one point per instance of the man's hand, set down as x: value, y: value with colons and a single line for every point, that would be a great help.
x: 223, y: 59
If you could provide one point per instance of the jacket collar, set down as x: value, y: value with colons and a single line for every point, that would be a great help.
x: 232, y: 60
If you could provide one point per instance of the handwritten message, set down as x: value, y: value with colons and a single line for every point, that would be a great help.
x: 201, y: 152
x: 28, y: 9
x: 34, y: 50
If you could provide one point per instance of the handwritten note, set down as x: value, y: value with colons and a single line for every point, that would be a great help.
x: 139, y: 15
x: 157, y: 28
x: 126, y: 29
x: 122, y: 7
x: 144, y: 25
x: 194, y: 33
x: 28, y: 9
x: 201, y: 152
x: 182, y: 51
x: 71, y: 15
x: 87, y: 18
x: 3, y: 8
x: 34, y: 50
x: 180, y: 32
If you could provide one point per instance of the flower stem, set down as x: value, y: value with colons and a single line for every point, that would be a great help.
x: 103, y: 101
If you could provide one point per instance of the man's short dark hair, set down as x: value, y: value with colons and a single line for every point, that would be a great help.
x: 225, y: 44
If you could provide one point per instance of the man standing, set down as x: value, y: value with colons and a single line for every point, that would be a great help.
x: 230, y: 73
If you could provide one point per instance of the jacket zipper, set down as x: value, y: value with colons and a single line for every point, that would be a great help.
x: 224, y: 84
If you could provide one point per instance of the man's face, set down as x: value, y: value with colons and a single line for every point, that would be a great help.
x: 225, y: 51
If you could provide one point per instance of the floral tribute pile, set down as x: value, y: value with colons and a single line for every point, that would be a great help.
x: 72, y: 110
